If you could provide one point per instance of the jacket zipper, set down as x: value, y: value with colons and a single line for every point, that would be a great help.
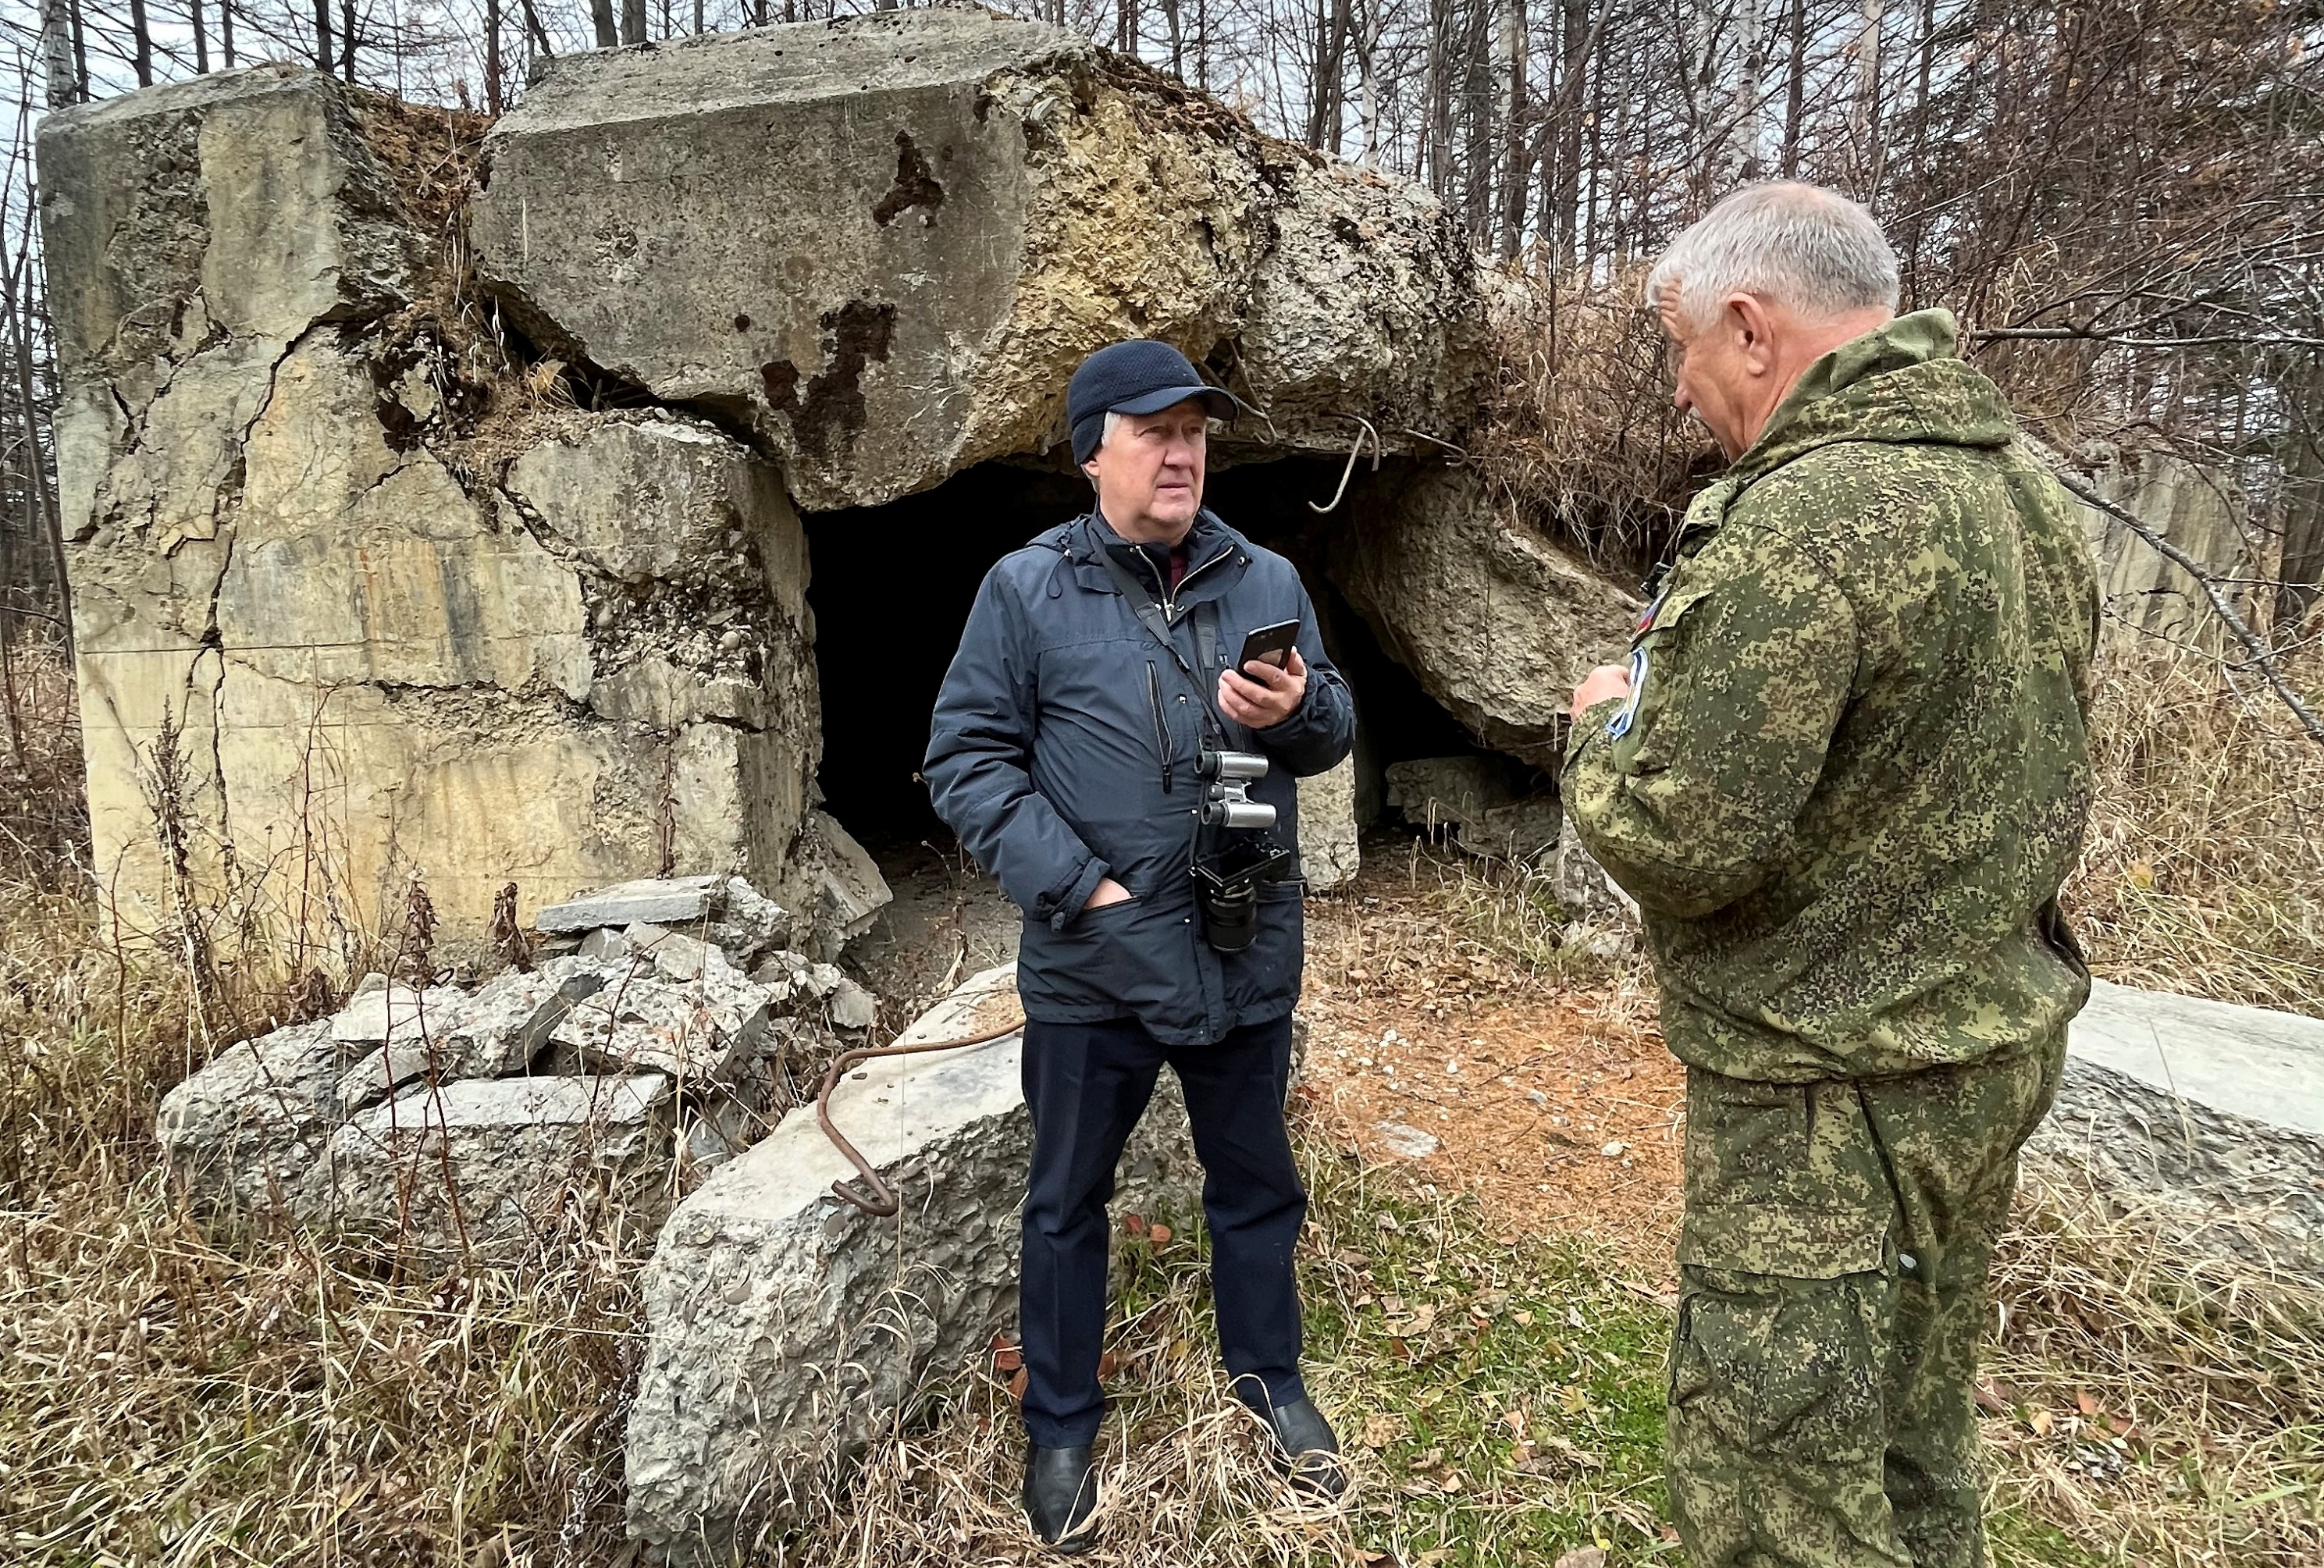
x: 1170, y: 595
x: 1161, y: 725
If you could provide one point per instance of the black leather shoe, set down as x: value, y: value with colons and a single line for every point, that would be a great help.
x: 1060, y: 1495
x: 1305, y: 1450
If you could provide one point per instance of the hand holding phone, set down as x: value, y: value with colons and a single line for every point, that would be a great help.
x: 1269, y: 644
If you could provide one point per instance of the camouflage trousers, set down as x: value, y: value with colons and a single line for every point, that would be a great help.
x: 1833, y: 1273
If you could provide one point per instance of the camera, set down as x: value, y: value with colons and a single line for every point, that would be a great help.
x: 1229, y: 870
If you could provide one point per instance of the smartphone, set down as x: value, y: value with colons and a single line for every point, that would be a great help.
x: 1269, y: 643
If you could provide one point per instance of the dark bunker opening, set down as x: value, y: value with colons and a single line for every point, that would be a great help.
x: 891, y: 587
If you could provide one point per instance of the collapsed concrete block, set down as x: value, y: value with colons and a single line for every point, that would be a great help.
x: 266, y: 439
x: 785, y: 1330
x: 2204, y: 1117
x: 886, y: 241
x: 1330, y: 853
x: 488, y: 1161
x: 1482, y: 800
x: 250, y: 1129
x: 503, y: 1025
x: 398, y: 1013
x: 649, y: 900
x: 833, y: 885
x: 1498, y: 622
x: 748, y: 925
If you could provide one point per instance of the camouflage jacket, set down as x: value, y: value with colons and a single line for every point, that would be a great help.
x: 1852, y: 772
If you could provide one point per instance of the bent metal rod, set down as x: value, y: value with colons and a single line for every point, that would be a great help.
x: 883, y: 1202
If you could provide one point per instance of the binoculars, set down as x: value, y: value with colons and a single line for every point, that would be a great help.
x: 1228, y: 803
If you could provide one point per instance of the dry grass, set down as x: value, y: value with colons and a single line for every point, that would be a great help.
x: 2147, y: 1402
x: 1580, y: 432
x: 43, y: 814
x: 2205, y: 868
x: 261, y: 1393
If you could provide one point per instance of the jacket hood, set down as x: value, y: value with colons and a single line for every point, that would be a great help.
x: 1902, y: 383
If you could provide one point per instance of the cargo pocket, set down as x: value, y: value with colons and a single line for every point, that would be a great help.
x: 1767, y: 1368
x: 1783, y: 1179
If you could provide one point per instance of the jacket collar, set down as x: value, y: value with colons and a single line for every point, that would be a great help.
x: 1090, y: 533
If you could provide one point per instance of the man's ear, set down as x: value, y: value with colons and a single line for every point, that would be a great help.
x: 1749, y: 319
x: 1090, y: 468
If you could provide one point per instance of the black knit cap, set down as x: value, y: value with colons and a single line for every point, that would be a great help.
x: 1141, y: 376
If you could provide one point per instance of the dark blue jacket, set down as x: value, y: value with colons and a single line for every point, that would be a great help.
x: 1064, y: 751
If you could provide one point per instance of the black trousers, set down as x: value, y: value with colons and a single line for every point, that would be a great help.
x: 1086, y: 1085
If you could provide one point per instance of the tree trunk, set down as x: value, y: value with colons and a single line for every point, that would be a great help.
x: 492, y: 57
x: 633, y: 21
x: 225, y: 31
x: 1796, y: 88
x: 201, y: 37
x: 1864, y: 112
x: 20, y: 344
x: 1177, y: 39
x: 1366, y: 42
x: 1517, y: 129
x: 324, y: 54
x: 348, y: 41
x: 142, y: 39
x: 56, y: 52
x: 601, y: 13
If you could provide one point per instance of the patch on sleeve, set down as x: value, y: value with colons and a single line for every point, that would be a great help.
x: 1619, y: 725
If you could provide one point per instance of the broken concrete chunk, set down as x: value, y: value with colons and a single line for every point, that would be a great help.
x: 250, y: 1128
x: 700, y: 1032
x: 382, y: 1073
x: 657, y: 901
x: 834, y: 886
x: 604, y: 945
x: 489, y: 1160
x: 2203, y: 1119
x: 398, y: 1013
x: 853, y: 1006
x: 714, y: 220
x: 676, y: 957
x: 1329, y: 853
x: 1581, y: 885
x: 1498, y: 621
x: 507, y: 1023
x: 1481, y: 800
x: 748, y: 925
x: 786, y: 1330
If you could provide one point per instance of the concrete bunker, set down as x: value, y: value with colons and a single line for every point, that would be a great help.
x: 547, y: 523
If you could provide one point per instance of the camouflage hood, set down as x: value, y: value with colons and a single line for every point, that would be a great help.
x: 1904, y: 383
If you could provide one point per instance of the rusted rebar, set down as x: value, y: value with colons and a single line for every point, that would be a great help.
x: 883, y: 1202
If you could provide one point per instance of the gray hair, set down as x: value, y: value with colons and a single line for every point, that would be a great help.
x: 1801, y: 245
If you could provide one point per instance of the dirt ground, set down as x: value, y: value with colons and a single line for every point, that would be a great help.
x: 1550, y: 1099
x: 1553, y: 1101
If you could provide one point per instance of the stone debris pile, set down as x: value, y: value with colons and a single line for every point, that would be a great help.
x: 662, y: 1026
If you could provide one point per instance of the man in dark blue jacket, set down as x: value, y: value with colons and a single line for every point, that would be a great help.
x: 1071, y: 752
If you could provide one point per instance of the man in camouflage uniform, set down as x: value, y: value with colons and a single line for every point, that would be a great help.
x: 1844, y: 774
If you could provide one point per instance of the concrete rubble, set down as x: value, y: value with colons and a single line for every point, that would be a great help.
x: 447, y: 1117
x: 2203, y: 1120
x: 1483, y: 804
x: 786, y: 1330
